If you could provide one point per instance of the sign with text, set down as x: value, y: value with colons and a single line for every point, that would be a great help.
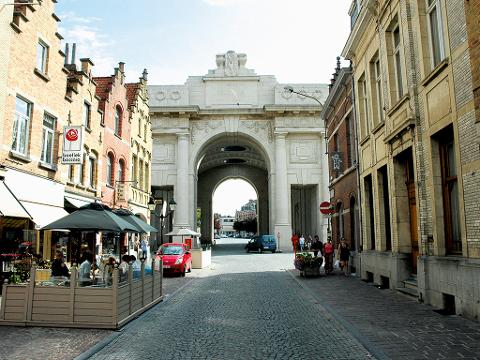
x: 72, y: 145
x: 121, y: 191
x: 336, y: 161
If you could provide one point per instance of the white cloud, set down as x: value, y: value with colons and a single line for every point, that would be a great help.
x: 91, y: 43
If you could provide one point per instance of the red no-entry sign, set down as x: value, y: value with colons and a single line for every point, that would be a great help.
x: 325, y: 208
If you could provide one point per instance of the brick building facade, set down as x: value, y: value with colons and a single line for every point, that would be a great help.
x: 339, y: 120
x: 419, y: 157
x: 472, y: 14
x: 42, y: 89
x: 112, y: 92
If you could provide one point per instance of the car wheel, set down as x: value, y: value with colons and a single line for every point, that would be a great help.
x: 273, y: 251
x: 190, y: 268
x: 259, y: 250
x: 182, y: 274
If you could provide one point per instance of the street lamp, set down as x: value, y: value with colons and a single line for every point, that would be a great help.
x: 290, y: 89
x: 152, y: 205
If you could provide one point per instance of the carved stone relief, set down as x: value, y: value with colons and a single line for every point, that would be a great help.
x: 304, y: 152
x: 259, y: 126
x: 198, y: 128
x: 164, y: 153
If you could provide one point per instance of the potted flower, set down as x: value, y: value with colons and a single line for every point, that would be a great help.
x: 307, y: 264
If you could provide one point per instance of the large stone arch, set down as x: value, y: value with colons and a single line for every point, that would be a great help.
x: 211, y: 179
x: 283, y: 131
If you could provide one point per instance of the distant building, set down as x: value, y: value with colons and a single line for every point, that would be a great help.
x: 226, y: 226
x: 247, y: 212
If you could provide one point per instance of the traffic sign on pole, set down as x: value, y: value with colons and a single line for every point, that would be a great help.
x: 325, y: 208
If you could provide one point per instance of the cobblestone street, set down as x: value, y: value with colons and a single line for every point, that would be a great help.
x: 254, y: 306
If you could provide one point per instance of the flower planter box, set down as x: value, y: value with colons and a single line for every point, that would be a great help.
x: 310, y: 271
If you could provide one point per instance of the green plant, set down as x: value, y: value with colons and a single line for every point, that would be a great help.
x: 306, y: 260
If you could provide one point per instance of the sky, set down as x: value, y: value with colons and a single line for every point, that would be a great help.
x: 295, y: 40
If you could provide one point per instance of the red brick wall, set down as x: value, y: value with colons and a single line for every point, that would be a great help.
x: 343, y: 184
x: 113, y: 93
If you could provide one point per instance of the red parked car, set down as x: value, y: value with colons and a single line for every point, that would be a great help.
x: 176, y: 258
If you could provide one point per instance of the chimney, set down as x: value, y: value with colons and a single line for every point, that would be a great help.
x: 87, y: 65
x: 74, y: 49
x: 67, y: 53
x: 144, y: 74
x: 121, y: 66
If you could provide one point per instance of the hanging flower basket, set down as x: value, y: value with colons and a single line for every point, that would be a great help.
x: 308, y: 265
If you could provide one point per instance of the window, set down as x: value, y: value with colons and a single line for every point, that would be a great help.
x: 397, y: 59
x: 145, y: 132
x: 369, y: 212
x: 147, y: 177
x: 377, y: 80
x: 450, y: 193
x: 118, y: 121
x: 21, y: 126
x: 91, y: 172
x: 134, y: 169
x: 139, y: 127
x: 80, y: 173
x: 363, y: 103
x: 350, y: 140
x: 121, y: 170
x: 86, y: 115
x: 109, y: 169
x: 140, y: 173
x: 384, y: 214
x: 42, y: 55
x: 48, y: 138
x: 435, y: 31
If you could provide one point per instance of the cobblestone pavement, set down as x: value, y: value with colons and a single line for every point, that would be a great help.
x: 243, y: 307
x: 397, y: 326
x: 19, y: 343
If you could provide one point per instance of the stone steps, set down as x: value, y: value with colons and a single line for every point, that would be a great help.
x: 410, y: 287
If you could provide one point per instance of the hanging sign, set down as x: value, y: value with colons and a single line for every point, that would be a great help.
x: 72, y: 145
x: 121, y: 191
x: 336, y: 161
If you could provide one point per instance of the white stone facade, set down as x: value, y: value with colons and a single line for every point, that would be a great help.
x: 279, y: 139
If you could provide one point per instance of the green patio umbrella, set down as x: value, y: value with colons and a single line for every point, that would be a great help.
x: 142, y: 226
x: 93, y: 217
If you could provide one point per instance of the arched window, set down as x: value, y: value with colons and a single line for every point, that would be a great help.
x: 121, y: 170
x: 118, y: 121
x: 109, y: 169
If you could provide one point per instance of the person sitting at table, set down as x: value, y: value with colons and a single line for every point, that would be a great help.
x: 123, y: 267
x: 59, y: 268
x: 85, y: 268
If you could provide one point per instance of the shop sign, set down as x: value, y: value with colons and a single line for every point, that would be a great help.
x: 121, y: 191
x: 72, y: 145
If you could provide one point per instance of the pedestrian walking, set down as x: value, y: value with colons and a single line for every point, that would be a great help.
x: 344, y: 254
x: 328, y: 254
x: 295, y: 242
x: 302, y: 242
x: 317, y: 246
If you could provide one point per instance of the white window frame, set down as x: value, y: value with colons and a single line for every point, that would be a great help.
x: 435, y: 7
x: 21, y: 128
x: 120, y: 171
x: 42, y: 56
x: 48, y: 135
x: 378, y: 88
x: 397, y: 61
x: 363, y: 97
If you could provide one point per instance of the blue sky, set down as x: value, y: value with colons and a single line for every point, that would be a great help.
x: 296, y: 40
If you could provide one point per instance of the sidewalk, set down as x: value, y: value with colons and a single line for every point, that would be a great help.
x: 391, y: 325
x: 37, y: 343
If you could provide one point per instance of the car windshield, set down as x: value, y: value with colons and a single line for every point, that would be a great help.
x: 171, y: 250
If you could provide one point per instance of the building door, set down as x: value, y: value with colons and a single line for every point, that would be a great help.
x: 412, y: 204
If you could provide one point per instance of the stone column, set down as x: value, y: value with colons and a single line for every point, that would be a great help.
x: 283, y: 230
x: 181, y: 186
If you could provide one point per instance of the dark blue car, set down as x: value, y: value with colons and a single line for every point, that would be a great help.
x: 261, y: 243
